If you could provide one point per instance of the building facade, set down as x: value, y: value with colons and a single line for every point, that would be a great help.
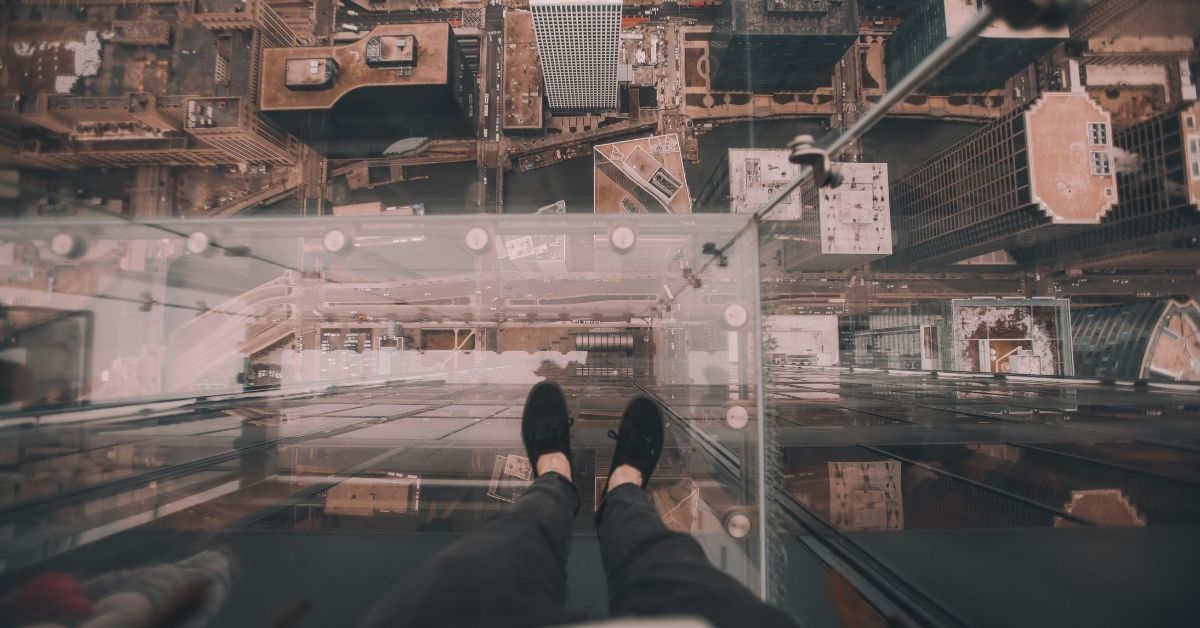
x: 1034, y: 175
x: 1133, y: 18
x: 780, y: 46
x: 1158, y: 216
x: 578, y: 41
x: 998, y: 53
x: 1141, y: 340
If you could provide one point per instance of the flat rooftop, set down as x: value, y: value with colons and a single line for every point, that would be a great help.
x: 755, y: 174
x: 431, y: 68
x: 856, y: 216
x: 523, y: 93
x: 641, y: 176
x: 1072, y: 174
x: 959, y: 12
x: 794, y: 18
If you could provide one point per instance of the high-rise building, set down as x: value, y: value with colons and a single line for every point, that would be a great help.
x: 986, y: 335
x: 1135, y: 18
x: 1142, y: 340
x: 998, y: 53
x: 355, y: 99
x: 780, y: 45
x: 131, y: 96
x: 1157, y: 220
x: 818, y: 229
x: 848, y: 226
x: 578, y: 41
x: 1034, y: 175
x: 642, y: 176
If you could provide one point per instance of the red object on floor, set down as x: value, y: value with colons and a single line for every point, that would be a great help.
x: 52, y: 595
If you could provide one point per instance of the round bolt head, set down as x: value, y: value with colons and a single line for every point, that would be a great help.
x: 736, y: 315
x: 623, y: 238
x: 737, y: 417
x: 335, y: 241
x: 477, y: 239
x: 66, y: 245
x: 198, y: 243
x: 738, y: 526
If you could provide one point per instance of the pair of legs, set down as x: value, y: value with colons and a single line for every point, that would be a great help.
x: 512, y: 571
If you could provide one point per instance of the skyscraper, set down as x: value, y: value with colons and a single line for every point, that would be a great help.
x: 819, y: 229
x: 1140, y: 340
x: 578, y: 41
x: 1133, y: 18
x: 1031, y: 176
x: 999, y: 53
x: 780, y: 45
x: 414, y: 76
x: 1157, y: 219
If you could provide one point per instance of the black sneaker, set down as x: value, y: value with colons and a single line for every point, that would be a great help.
x: 639, y: 439
x: 545, y: 426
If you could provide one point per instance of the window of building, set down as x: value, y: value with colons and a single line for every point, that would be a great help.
x: 1098, y: 133
x: 1194, y: 155
x: 1191, y: 122
x: 1101, y: 166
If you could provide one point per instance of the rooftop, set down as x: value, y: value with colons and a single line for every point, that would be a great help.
x: 755, y: 174
x: 794, y: 17
x: 103, y: 57
x: 641, y: 176
x: 354, y: 71
x: 1071, y: 177
x: 856, y: 215
x: 959, y: 12
x: 522, y: 73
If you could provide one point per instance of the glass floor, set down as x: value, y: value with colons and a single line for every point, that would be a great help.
x: 915, y: 282
x: 356, y: 449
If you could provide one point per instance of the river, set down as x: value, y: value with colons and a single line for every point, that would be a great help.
x: 452, y: 188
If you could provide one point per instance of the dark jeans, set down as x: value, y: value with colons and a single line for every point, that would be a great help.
x: 512, y: 571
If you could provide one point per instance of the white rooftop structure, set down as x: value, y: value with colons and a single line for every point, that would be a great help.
x: 755, y: 174
x: 811, y: 340
x: 826, y: 229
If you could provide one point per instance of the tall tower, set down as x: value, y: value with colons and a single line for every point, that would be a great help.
x: 1156, y: 222
x: 780, y: 45
x: 578, y: 41
x: 998, y: 53
x: 1034, y: 175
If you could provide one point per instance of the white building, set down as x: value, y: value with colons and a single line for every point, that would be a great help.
x: 810, y: 340
x: 818, y: 230
x: 579, y: 42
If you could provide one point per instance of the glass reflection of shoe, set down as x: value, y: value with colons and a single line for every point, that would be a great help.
x: 545, y: 425
x: 639, y: 439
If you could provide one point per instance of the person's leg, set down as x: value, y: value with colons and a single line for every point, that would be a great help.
x: 512, y: 571
x: 651, y: 569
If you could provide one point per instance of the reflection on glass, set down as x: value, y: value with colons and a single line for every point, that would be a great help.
x: 276, y: 277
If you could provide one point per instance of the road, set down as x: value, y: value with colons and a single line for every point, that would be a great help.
x: 490, y: 137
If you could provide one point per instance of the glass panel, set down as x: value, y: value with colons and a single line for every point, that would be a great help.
x: 276, y: 277
x: 266, y: 372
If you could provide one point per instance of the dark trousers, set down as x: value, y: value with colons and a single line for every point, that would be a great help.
x: 512, y: 571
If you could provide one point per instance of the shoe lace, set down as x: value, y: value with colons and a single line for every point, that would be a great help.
x: 632, y: 437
